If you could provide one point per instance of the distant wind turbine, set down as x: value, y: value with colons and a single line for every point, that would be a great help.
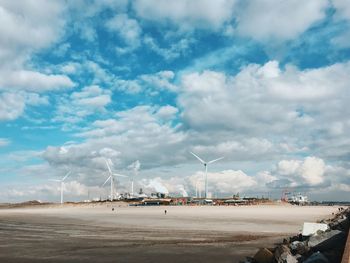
x: 111, y: 177
x: 62, y: 184
x: 206, y: 170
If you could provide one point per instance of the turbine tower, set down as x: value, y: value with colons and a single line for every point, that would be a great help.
x: 62, y: 184
x: 111, y: 177
x: 206, y: 170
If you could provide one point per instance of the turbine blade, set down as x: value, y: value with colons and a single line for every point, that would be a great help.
x: 54, y: 180
x: 213, y: 161
x: 66, y: 176
x: 107, y: 180
x: 120, y: 175
x: 109, y: 168
x: 203, y: 162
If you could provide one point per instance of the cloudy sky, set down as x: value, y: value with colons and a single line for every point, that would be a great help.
x: 264, y: 83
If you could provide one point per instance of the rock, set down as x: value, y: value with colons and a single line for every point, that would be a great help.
x: 317, y: 257
x: 263, y: 256
x: 283, y: 255
x: 298, y: 247
x: 327, y: 240
x: 290, y: 259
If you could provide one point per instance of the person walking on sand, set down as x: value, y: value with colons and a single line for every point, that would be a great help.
x: 164, y: 212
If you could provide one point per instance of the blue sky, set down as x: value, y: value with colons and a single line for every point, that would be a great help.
x: 264, y: 83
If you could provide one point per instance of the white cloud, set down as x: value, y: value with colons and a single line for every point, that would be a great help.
x: 342, y: 12
x: 342, y: 9
x: 128, y: 86
x: 186, y: 14
x: 160, y: 80
x: 11, y: 106
x: 127, y: 28
x: 265, y: 99
x: 92, y: 96
x: 311, y: 170
x: 150, y: 84
x: 88, y: 101
x: 27, y: 26
x: 73, y: 190
x: 288, y: 167
x: 33, y: 81
x: 4, y: 142
x: 279, y: 20
x: 129, y: 133
x: 227, y: 181
x: 167, y: 112
x: 176, y: 49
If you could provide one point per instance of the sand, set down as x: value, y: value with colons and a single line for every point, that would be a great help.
x: 131, y: 234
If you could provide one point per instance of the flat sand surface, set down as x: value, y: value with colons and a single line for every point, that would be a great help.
x: 95, y: 233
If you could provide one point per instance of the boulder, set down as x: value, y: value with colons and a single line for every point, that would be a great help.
x: 263, y: 256
x: 327, y: 240
x: 284, y: 255
x: 298, y: 247
x: 317, y: 257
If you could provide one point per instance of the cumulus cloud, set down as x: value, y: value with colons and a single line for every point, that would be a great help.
x: 79, y: 104
x: 4, y: 142
x: 342, y: 9
x: 33, y: 81
x: 176, y: 49
x: 12, y: 105
x: 135, y: 166
x: 26, y: 28
x: 128, y: 29
x: 186, y: 14
x: 311, y: 170
x: 268, y: 19
x: 226, y: 181
x: 41, y: 20
x: 265, y: 99
x: 73, y: 190
x: 160, y: 80
x: 167, y: 112
x: 129, y: 134
x: 150, y: 84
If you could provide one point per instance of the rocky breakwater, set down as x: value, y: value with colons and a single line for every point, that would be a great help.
x: 323, y: 242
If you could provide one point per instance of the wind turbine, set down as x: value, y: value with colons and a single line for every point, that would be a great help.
x: 206, y: 170
x: 111, y: 177
x: 62, y: 184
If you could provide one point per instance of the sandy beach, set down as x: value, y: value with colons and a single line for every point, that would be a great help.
x: 96, y: 233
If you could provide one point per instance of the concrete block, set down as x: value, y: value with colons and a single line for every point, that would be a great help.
x: 317, y: 257
x: 311, y: 228
x: 327, y: 240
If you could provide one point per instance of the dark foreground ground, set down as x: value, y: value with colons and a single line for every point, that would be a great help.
x: 48, y: 239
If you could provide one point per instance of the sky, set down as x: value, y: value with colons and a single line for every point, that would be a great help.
x: 263, y: 83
